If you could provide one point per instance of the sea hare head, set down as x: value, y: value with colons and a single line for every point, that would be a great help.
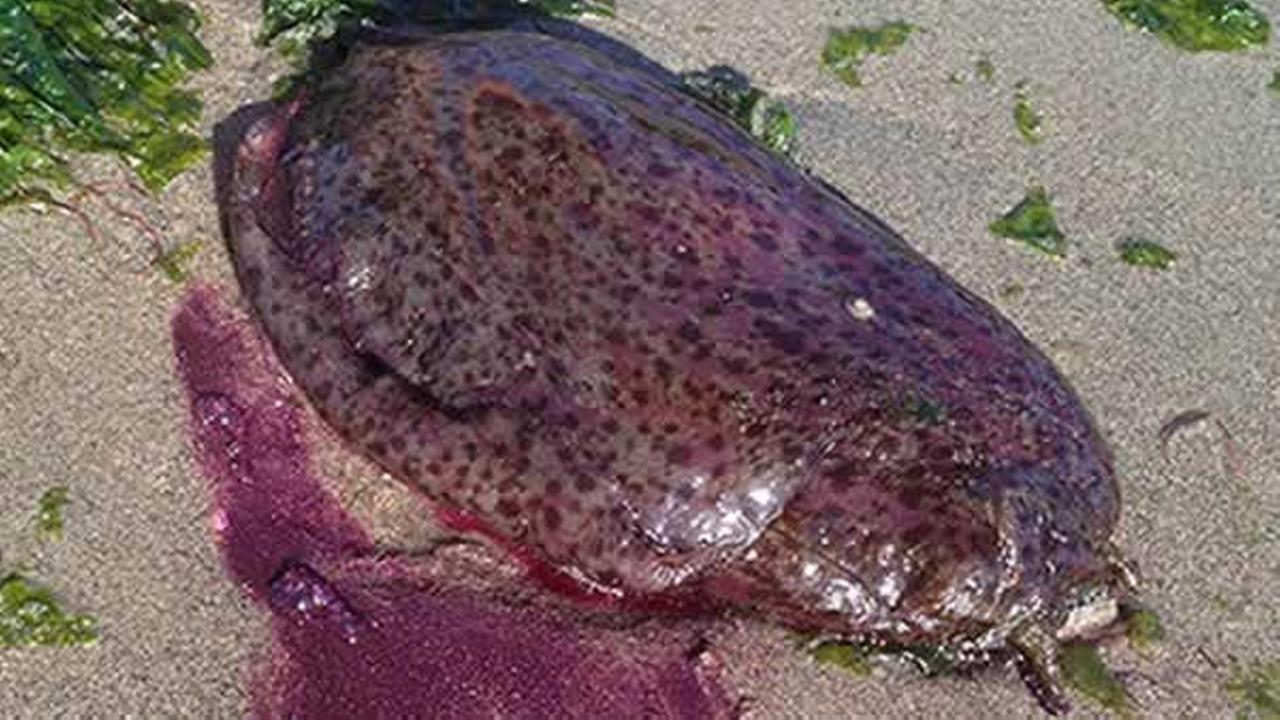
x: 558, y: 295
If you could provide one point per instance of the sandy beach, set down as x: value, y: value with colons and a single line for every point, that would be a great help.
x: 1141, y: 139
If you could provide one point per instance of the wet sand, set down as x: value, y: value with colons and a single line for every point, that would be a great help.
x: 1141, y: 139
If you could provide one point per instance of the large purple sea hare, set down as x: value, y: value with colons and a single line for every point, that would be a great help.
x: 535, y: 280
x: 365, y: 635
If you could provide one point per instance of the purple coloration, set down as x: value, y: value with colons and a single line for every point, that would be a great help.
x: 301, y: 593
x: 365, y: 636
x: 267, y: 510
x: 464, y: 658
x: 558, y: 295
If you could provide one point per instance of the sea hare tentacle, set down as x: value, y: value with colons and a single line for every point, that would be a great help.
x: 558, y: 295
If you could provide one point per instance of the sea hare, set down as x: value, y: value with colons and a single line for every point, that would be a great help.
x: 595, y: 321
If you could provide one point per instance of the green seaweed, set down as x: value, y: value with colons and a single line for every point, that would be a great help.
x: 775, y: 126
x: 31, y: 615
x: 1196, y: 25
x: 1274, y: 85
x: 858, y: 658
x: 1030, y: 123
x: 295, y: 25
x: 730, y: 92
x: 848, y: 656
x: 986, y: 70
x: 1012, y: 292
x: 1083, y: 669
x: 846, y: 49
x: 1256, y: 690
x: 1143, y: 628
x: 1033, y: 222
x: 312, y: 34
x: 49, y: 522
x: 174, y: 262
x: 97, y: 76
x: 1147, y: 253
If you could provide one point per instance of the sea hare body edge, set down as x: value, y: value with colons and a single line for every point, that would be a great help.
x: 561, y: 296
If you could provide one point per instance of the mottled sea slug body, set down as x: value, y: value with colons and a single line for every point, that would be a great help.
x: 552, y: 291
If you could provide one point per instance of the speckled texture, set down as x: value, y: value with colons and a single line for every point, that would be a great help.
x: 548, y: 289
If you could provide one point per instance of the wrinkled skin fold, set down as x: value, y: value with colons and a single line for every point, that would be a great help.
x: 538, y: 282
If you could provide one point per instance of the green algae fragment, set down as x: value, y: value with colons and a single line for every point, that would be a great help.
x: 1147, y: 253
x: 986, y: 70
x: 30, y: 615
x: 49, y: 523
x: 1029, y: 122
x: 294, y: 25
x: 1012, y: 291
x: 96, y: 76
x: 858, y: 658
x: 730, y: 92
x: 1082, y: 668
x: 847, y: 656
x: 846, y: 49
x: 1256, y: 690
x: 1196, y: 25
x: 174, y: 262
x: 1033, y: 222
x: 1274, y: 85
x: 1143, y: 628
x: 776, y: 127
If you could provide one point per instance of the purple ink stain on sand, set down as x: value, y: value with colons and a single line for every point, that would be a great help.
x: 360, y: 635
